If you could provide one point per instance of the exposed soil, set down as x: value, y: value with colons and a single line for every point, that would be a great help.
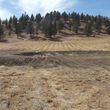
x: 73, y: 59
x: 55, y: 80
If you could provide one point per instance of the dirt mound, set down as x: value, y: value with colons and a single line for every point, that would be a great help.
x: 52, y: 59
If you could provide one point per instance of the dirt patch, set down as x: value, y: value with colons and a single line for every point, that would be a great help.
x: 77, y: 59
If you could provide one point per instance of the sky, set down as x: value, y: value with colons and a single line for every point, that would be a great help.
x: 17, y: 7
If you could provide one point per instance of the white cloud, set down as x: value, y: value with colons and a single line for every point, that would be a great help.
x: 33, y: 6
x: 44, y: 6
x: 4, y: 13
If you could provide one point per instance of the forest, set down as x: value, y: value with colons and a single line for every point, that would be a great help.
x: 52, y: 23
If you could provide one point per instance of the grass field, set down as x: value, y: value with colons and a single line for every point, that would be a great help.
x: 67, y: 44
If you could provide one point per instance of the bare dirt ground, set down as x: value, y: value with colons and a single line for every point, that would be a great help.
x: 73, y: 74
x: 59, y: 81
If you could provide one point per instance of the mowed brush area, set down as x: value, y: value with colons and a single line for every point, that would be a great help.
x: 68, y: 43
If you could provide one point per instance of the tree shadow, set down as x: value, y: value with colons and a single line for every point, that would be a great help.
x: 3, y: 41
x: 66, y: 34
x: 56, y: 38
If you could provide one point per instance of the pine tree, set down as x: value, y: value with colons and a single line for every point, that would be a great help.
x: 88, y: 29
x: 82, y: 16
x: 6, y: 23
x: 54, y: 28
x: 10, y: 27
x: 14, y: 21
x: 59, y: 25
x: 57, y: 16
x: 98, y: 26
x: 10, y: 20
x: 65, y: 16
x: 48, y: 29
x: 23, y: 20
x: 18, y: 29
x: 75, y: 26
x: 32, y: 18
x: 1, y: 32
x: 49, y: 26
x: 38, y: 18
x: 30, y: 29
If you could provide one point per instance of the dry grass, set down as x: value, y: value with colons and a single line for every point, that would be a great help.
x: 67, y: 44
x: 60, y: 88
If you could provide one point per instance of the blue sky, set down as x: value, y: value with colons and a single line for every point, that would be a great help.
x: 94, y: 7
x: 17, y: 7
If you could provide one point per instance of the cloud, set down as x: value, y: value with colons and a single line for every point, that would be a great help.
x: 44, y: 6
x: 17, y: 7
x: 4, y: 14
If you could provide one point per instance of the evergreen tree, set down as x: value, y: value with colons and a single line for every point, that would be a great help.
x: 32, y: 18
x: 59, y: 25
x: 65, y: 16
x: 49, y: 26
x: 6, y: 23
x: 14, y: 21
x: 54, y: 28
x: 57, y: 16
x: 23, y: 20
x: 73, y: 15
x: 88, y: 29
x: 75, y: 26
x: 10, y: 20
x: 1, y: 32
x: 98, y: 26
x: 38, y: 18
x: 82, y: 16
x: 30, y: 29
x: 18, y: 29
x: 9, y: 29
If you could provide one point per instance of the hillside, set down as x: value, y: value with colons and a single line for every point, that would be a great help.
x: 52, y: 24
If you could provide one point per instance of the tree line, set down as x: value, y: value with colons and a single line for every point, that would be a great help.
x: 53, y: 22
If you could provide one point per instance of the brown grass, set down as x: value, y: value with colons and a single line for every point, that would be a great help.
x: 67, y: 44
x: 25, y: 88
